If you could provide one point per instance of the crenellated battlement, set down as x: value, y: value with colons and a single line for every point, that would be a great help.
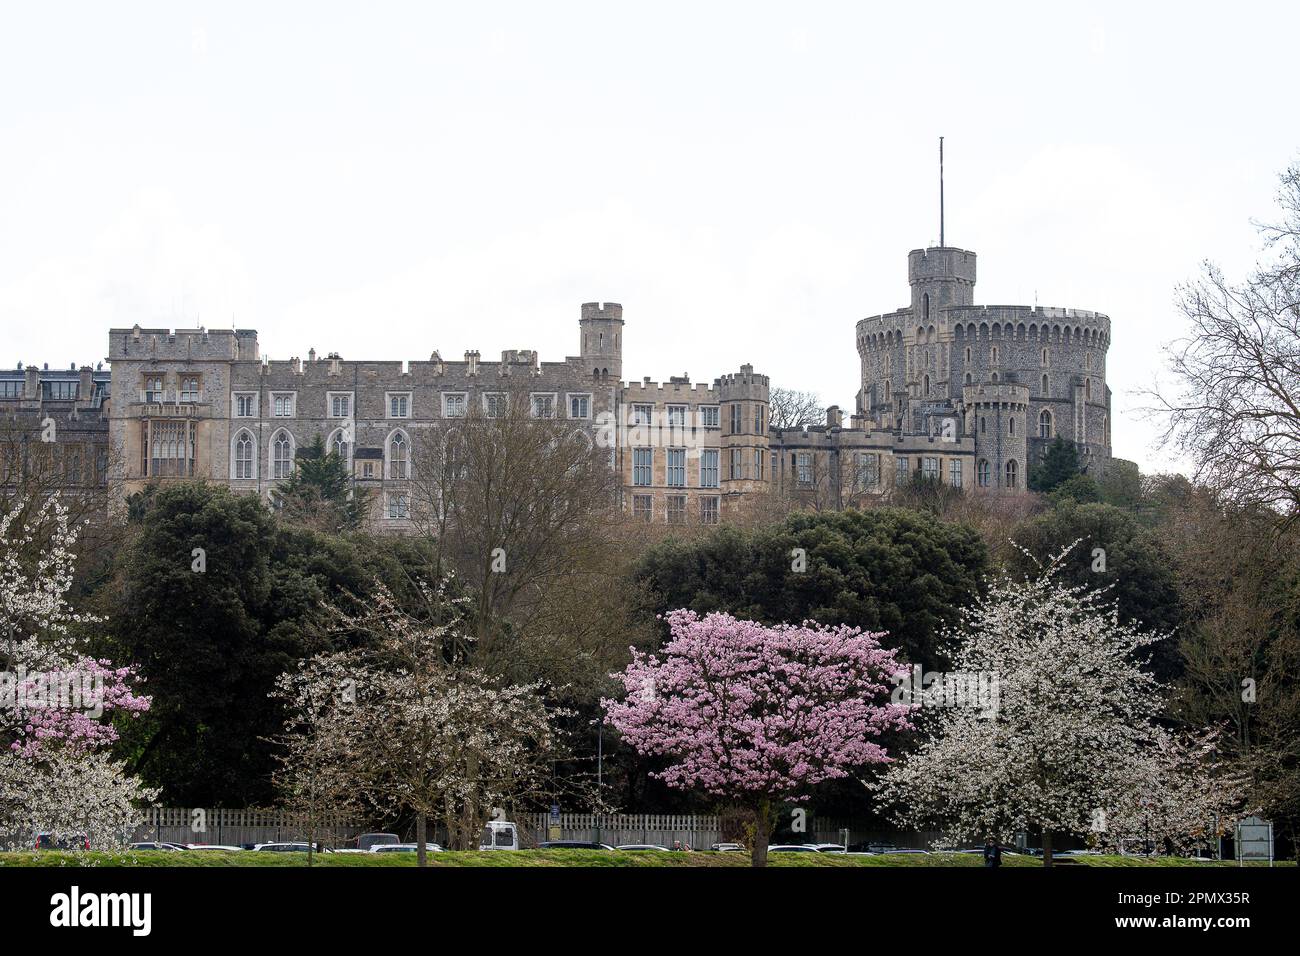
x: 602, y: 311
x: 200, y: 344
x: 651, y: 391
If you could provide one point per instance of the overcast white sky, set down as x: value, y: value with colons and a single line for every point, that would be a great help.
x: 383, y: 180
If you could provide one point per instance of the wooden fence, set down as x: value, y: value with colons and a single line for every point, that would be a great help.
x: 235, y: 827
x: 698, y: 831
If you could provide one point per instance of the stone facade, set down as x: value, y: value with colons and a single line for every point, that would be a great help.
x: 54, y: 427
x: 964, y: 393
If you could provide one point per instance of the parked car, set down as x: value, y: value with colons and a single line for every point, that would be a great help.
x: 214, y: 846
x: 906, y: 849
x: 366, y: 841
x: 499, y: 835
x: 830, y: 848
x: 404, y: 848
x: 285, y: 847
x: 76, y: 841
x: 643, y: 846
x: 157, y: 846
x: 872, y: 847
x: 1006, y: 850
x: 792, y: 848
x: 728, y: 847
x: 572, y: 845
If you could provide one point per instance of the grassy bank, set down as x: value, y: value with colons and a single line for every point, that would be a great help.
x: 533, y: 858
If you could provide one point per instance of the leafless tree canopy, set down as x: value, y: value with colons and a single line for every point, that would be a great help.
x: 521, y: 507
x: 788, y: 408
x: 1236, y: 411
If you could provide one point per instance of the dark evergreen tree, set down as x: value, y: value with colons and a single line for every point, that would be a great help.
x: 1059, y: 463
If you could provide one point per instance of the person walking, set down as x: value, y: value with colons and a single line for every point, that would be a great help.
x: 992, y: 853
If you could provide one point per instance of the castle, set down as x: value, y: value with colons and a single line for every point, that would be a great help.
x: 965, y: 394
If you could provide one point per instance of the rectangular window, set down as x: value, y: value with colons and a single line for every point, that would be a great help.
x: 245, y: 404
x: 930, y: 468
x: 709, y: 509
x: 803, y: 464
x: 340, y: 405
x: 367, y: 469
x: 399, y: 506
x: 737, y: 464
x: 676, y: 467
x: 399, y: 405
x: 709, y: 416
x: 282, y: 403
x: 676, y: 416
x: 153, y: 389
x: 189, y: 390
x: 868, y: 471
x: 494, y: 405
x: 901, y: 470
x: 169, y: 449
x: 709, y: 468
x: 642, y: 466
x: 758, y: 419
x: 736, y: 420
x: 954, y: 472
x: 543, y: 406
x: 642, y: 507
x: 676, y: 509
x: 59, y: 391
x: 453, y: 405
x: 579, y: 406
x: 642, y: 414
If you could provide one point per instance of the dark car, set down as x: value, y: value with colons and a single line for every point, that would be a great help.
x: 873, y: 847
x: 572, y: 845
x: 48, y: 841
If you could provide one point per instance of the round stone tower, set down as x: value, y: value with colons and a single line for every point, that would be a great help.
x: 998, y: 416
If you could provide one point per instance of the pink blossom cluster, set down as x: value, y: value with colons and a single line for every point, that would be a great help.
x: 82, y: 729
x: 747, y: 710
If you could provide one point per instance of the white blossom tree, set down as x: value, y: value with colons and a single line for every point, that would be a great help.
x: 56, y: 774
x: 395, y: 722
x: 1073, y: 745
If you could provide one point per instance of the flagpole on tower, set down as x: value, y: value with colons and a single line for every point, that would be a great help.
x: 941, y: 242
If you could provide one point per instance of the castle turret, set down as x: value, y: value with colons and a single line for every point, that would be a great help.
x: 601, y: 326
x: 744, y: 408
x: 940, y: 277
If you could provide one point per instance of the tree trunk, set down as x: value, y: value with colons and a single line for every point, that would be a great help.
x: 762, y: 831
x: 421, y: 855
x: 1047, y: 847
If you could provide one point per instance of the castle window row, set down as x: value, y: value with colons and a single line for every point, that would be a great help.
x: 675, y: 470
x: 397, y: 405
x: 676, y: 508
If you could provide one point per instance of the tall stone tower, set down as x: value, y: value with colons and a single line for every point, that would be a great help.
x: 602, y: 340
x: 940, y: 277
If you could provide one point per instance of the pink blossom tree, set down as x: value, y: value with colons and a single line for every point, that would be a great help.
x: 758, y: 714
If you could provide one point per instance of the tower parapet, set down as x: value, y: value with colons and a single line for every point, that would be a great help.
x: 940, y: 277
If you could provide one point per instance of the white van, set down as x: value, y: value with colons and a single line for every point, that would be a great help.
x: 499, y: 835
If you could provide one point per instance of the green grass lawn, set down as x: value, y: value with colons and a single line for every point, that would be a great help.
x: 551, y: 858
